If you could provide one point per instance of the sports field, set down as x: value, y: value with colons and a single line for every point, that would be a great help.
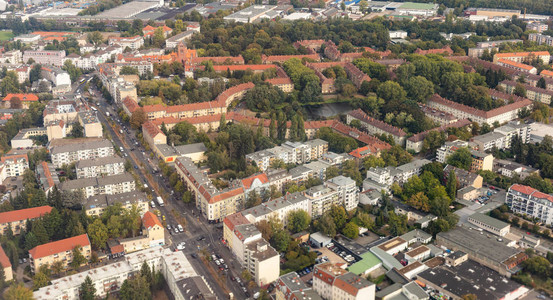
x: 5, y: 35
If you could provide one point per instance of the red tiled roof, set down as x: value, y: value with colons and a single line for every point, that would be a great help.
x: 527, y: 87
x: 22, y: 97
x: 225, y: 195
x: 480, y: 113
x: 363, y: 117
x: 420, y: 136
x: 444, y: 50
x: 247, y: 182
x: 117, y: 249
x: 360, y: 136
x: 530, y: 191
x: 4, y: 260
x: 24, y: 214
x: 47, y: 174
x: 59, y: 246
x: 325, y: 65
x: 546, y: 73
x: 521, y: 54
x: 130, y: 104
x: 14, y: 157
x: 283, y: 58
x: 151, y: 129
x: 279, y: 81
x: 149, y: 220
x: 515, y: 64
x: 232, y: 68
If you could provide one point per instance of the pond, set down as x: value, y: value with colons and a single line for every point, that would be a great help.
x: 327, y: 110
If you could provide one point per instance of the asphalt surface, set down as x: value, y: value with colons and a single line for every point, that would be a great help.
x: 199, y: 236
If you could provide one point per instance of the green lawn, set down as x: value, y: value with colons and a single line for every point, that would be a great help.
x: 5, y: 35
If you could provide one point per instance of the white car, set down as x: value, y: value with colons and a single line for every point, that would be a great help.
x: 180, y: 228
x: 180, y: 246
x: 217, y: 263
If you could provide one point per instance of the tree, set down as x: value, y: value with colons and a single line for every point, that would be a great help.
x: 419, y: 201
x: 40, y: 280
x: 78, y: 258
x: 135, y: 288
x: 469, y: 297
x: 419, y: 88
x: 18, y: 292
x: 339, y: 216
x: 461, y: 158
x: 351, y: 230
x: 87, y: 291
x: 298, y: 220
x: 280, y: 240
x: 146, y: 272
x: 35, y: 73
x: 98, y: 234
x: 77, y: 131
x: 391, y: 90
x: 520, y: 90
x: 94, y: 38
x: 452, y: 184
x: 15, y: 103
x: 538, y: 265
x: 326, y: 225
x: 138, y: 118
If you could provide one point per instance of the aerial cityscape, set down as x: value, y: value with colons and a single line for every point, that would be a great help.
x: 275, y: 149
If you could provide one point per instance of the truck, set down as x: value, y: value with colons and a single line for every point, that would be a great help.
x: 107, y: 113
x: 160, y: 201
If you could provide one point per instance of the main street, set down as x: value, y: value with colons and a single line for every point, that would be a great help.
x: 199, y: 236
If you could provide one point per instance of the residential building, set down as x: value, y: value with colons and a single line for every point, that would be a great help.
x: 509, y: 168
x: 211, y: 202
x: 109, y: 185
x: 464, y: 178
x: 17, y: 219
x: 374, y: 126
x: 14, y: 165
x: 66, y: 151
x: 517, y: 66
x: 56, y: 75
x: 537, y: 26
x: 47, y: 176
x: 411, y: 291
x: 23, y: 139
x: 489, y: 224
x: 262, y: 261
x: 45, y: 57
x: 133, y: 42
x: 97, y: 167
x: 278, y: 208
x: 289, y: 152
x: 334, y: 283
x: 389, y: 175
x: 481, y: 161
x: 541, y: 39
x: 501, y: 114
x: 26, y: 100
x: 290, y: 286
x: 532, y: 92
x: 444, y: 50
x: 521, y: 57
x: 153, y: 229
x: 321, y: 199
x: 438, y: 116
x: 6, y: 265
x: 96, y: 205
x: 174, y: 41
x: 490, y: 252
x: 106, y: 279
x: 528, y: 201
x: 502, y: 136
x: 347, y: 189
x: 62, y: 250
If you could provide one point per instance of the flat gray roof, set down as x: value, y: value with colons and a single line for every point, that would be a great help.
x: 101, y: 161
x: 493, y: 222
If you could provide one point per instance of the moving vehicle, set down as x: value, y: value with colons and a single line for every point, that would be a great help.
x: 160, y: 201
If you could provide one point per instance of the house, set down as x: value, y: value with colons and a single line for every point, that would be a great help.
x: 25, y: 100
x: 153, y: 229
x: 334, y: 283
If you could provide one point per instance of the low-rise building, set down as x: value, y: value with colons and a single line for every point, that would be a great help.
x: 47, y: 176
x: 61, y: 250
x: 16, y: 220
x: 489, y: 224
x: 25, y: 100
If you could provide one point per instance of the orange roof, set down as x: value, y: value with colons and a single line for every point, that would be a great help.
x: 149, y: 220
x: 22, y: 97
x: 130, y: 104
x: 56, y: 38
x: 223, y: 68
x: 14, y: 157
x: 47, y: 174
x: 148, y: 28
x: 59, y: 246
x: 54, y: 33
x: 24, y: 214
x: 225, y: 195
x: 279, y: 81
x: 4, y: 260
x: 531, y: 191
x: 117, y: 249
x: 515, y: 64
x: 247, y: 182
x: 546, y: 73
x: 151, y: 129
x: 521, y: 54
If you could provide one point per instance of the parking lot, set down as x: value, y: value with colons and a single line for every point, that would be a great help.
x: 332, y: 257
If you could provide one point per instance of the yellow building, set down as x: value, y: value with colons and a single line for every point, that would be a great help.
x: 153, y: 229
x: 17, y: 219
x: 6, y: 265
x: 481, y: 161
x: 62, y: 250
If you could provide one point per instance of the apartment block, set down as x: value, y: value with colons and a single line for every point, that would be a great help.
x: 66, y: 151
x: 290, y: 286
x: 278, y: 208
x: 521, y: 57
x: 61, y: 250
x: 96, y: 205
x: 15, y: 165
x: 533, y: 93
x: 480, y: 161
x: 211, y: 202
x: 98, y: 167
x: 289, y: 152
x: 133, y: 42
x: 6, y: 265
x: 347, y: 190
x: 537, y: 26
x: 17, y: 219
x: 389, y: 175
x: 541, y: 39
x: 517, y: 66
x: 108, y: 185
x: 374, y: 126
x: 334, y: 283
x: 502, y: 136
x: 321, y: 199
x: 45, y: 57
x: 528, y: 201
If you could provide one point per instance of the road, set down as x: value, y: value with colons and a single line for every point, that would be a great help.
x: 199, y: 236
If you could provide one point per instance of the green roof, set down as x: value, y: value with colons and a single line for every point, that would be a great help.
x: 489, y: 220
x: 411, y: 5
x: 368, y: 261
